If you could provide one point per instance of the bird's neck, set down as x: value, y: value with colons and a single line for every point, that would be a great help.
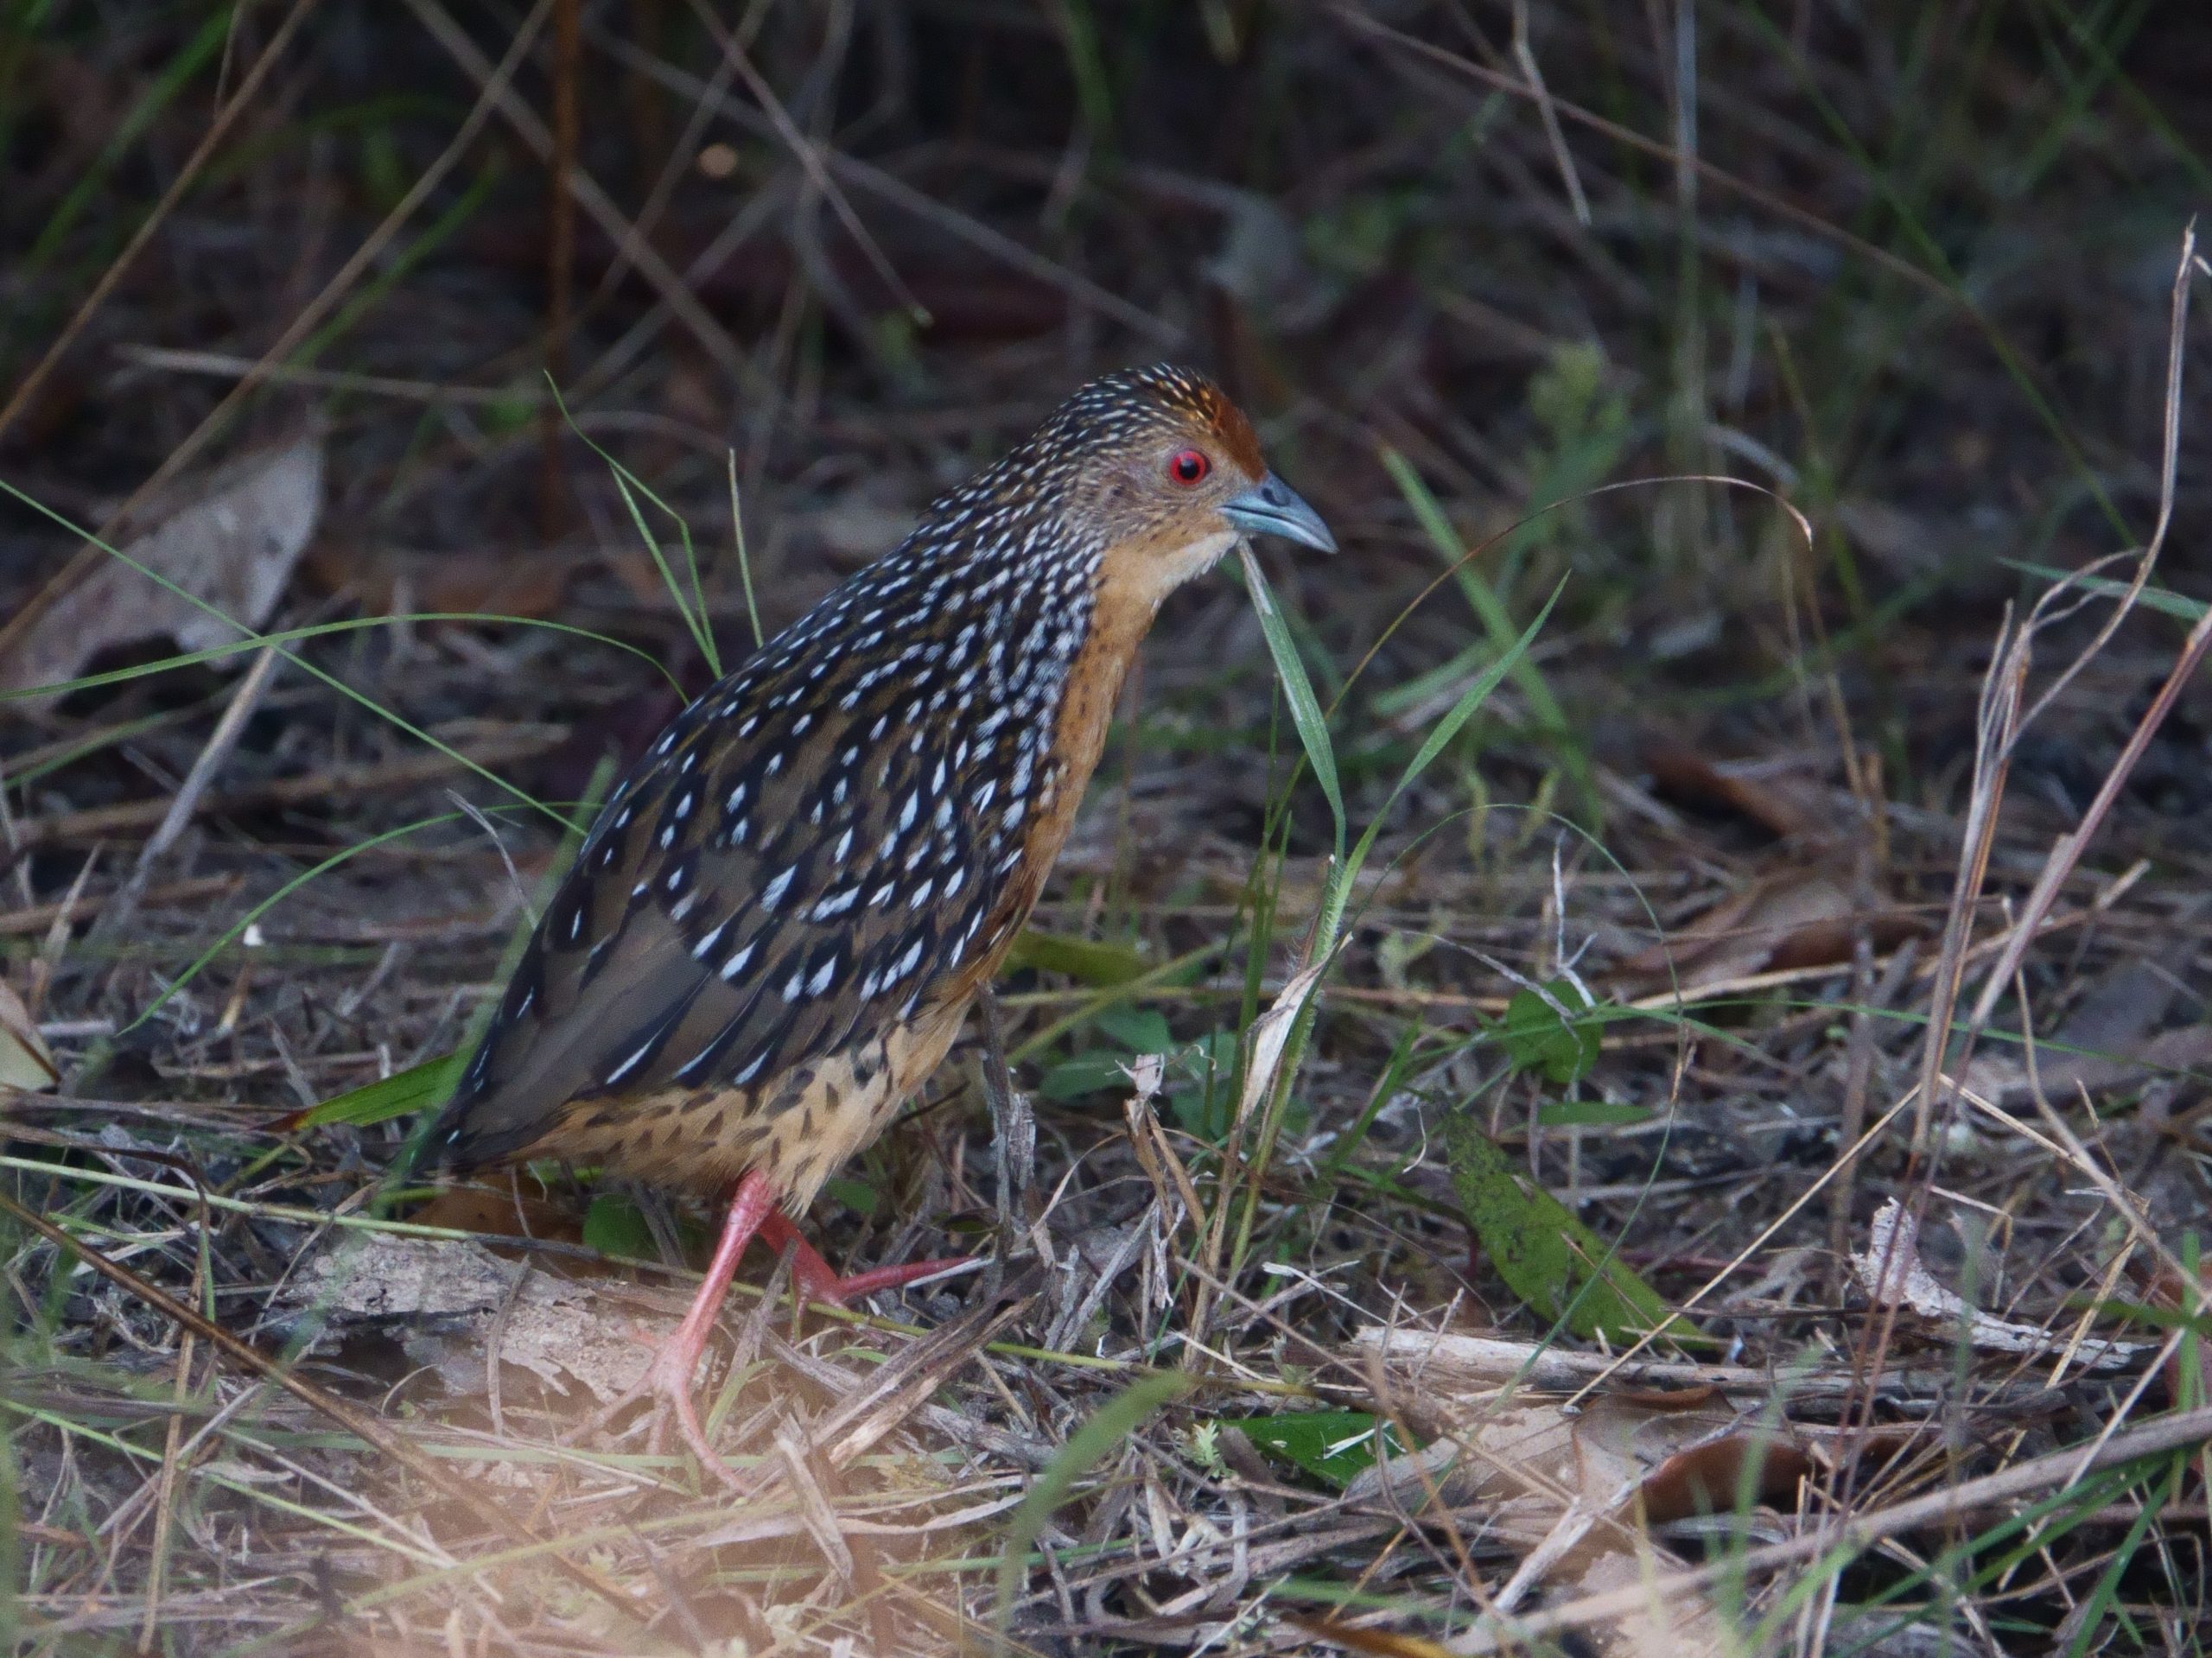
x: 1128, y: 588
x: 1128, y: 596
x: 1132, y: 581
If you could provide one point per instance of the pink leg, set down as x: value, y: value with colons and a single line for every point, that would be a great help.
x: 820, y: 1281
x: 673, y: 1368
x: 752, y: 1211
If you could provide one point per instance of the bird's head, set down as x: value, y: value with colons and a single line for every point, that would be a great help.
x: 1160, y: 470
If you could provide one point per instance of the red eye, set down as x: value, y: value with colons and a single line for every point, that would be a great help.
x: 1188, y: 467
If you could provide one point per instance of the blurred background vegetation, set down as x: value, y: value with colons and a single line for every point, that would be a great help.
x: 1904, y: 264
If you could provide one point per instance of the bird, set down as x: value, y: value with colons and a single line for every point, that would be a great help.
x: 773, y: 929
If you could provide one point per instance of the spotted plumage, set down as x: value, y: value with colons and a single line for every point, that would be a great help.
x: 770, y: 935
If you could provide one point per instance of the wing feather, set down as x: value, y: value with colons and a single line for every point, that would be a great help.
x: 793, y: 865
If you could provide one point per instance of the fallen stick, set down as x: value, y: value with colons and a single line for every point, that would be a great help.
x: 103, y: 823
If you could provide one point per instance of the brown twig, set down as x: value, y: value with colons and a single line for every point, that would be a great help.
x: 523, y: 120
x: 2065, y: 851
x: 338, y: 783
x: 123, y: 906
x: 1857, y: 1533
x: 197, y: 890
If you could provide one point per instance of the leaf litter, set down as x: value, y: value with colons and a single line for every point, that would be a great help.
x: 223, y: 562
x: 444, y: 1302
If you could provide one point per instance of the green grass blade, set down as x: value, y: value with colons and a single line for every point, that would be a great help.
x: 1087, y: 961
x: 172, y: 79
x: 692, y: 608
x: 231, y: 933
x: 416, y: 1088
x: 2164, y: 601
x: 1097, y: 1439
x: 426, y: 1086
x: 396, y: 268
x: 1490, y: 609
x: 1482, y: 598
x: 2090, y: 1622
x: 1440, y: 738
x: 1298, y: 689
x: 1514, y: 656
x: 1337, y: 896
x: 744, y: 559
x: 254, y: 639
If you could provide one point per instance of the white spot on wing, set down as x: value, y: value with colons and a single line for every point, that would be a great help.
x: 837, y: 904
x: 628, y: 1065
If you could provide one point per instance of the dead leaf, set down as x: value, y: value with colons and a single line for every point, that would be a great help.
x: 1528, y: 1456
x: 1706, y: 1478
x: 529, y: 585
x: 1271, y: 1034
x: 1566, y: 1488
x: 1670, y: 1624
x: 1891, y: 1273
x: 2164, y: 1293
x: 441, y: 1297
x: 1798, y: 919
x: 233, y: 548
x: 1578, y: 1490
x: 1784, y: 805
x: 2103, y: 1044
x: 25, y: 1060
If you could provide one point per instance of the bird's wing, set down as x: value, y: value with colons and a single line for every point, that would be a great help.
x: 799, y: 858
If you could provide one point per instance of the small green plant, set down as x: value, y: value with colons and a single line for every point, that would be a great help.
x: 1546, y: 1030
x: 1102, y: 1436
x: 1562, y: 1269
x: 1585, y: 430
x: 1332, y: 1446
x: 615, y: 1225
x: 1199, y: 1073
x: 1274, y: 1112
x: 419, y: 1088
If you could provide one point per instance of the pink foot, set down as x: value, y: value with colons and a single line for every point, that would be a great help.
x: 667, y: 1379
x: 752, y: 1211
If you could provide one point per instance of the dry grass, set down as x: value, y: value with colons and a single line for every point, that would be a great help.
x: 1783, y: 805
